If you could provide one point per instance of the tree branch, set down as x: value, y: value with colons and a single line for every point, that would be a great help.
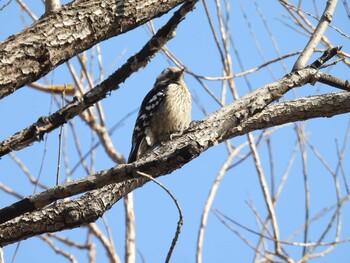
x: 317, y: 35
x: 215, y: 128
x: 225, y: 123
x: 333, y: 81
x: 66, y: 215
x: 318, y: 106
x: 170, y: 156
x: 37, y: 130
x: 59, y: 36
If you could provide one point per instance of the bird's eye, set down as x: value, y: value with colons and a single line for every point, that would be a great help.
x: 169, y: 74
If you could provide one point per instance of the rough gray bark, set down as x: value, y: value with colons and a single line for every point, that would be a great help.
x: 59, y: 36
x: 36, y: 131
x: 169, y: 157
x: 215, y: 128
x: 252, y: 111
x: 66, y: 215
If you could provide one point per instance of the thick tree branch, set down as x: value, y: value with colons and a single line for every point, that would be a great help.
x: 223, y: 124
x: 214, y: 128
x: 326, y: 106
x: 36, y: 131
x: 168, y: 157
x: 66, y: 215
x: 59, y: 36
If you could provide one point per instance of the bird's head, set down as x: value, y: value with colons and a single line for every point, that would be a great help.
x: 170, y: 75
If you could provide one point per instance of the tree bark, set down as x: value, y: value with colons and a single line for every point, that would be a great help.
x: 59, y: 36
x: 172, y: 155
x: 36, y: 131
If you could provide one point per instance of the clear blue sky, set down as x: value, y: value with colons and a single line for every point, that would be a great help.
x: 156, y: 215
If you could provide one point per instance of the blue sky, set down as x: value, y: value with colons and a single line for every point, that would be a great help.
x: 156, y: 215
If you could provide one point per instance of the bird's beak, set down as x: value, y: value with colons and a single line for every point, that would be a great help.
x: 180, y: 74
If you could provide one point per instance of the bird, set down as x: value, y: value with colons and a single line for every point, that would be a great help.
x: 165, y: 111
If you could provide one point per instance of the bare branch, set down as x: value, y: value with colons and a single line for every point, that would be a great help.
x: 266, y: 193
x: 130, y: 251
x: 209, y: 201
x: 58, y: 89
x: 2, y: 8
x: 105, y: 242
x: 333, y: 81
x: 35, y: 51
x: 67, y: 255
x: 317, y: 35
x: 176, y: 153
x: 180, y: 221
x: 301, y: 139
x: 36, y: 131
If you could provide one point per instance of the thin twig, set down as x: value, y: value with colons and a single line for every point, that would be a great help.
x: 255, y: 39
x: 110, y: 132
x: 210, y: 199
x: 272, y: 165
x: 60, y: 144
x: 221, y: 217
x: 58, y: 251
x: 10, y: 191
x: 271, y: 35
x: 130, y: 250
x: 179, y: 223
x: 2, y: 8
x: 108, y: 246
x: 26, y: 171
x: 13, y: 260
x: 341, y: 156
x: 340, y: 203
x: 316, y: 18
x: 301, y: 139
x: 25, y: 8
x: 276, y: 196
x: 67, y: 241
x: 91, y: 85
x: 109, y: 234
x: 265, y: 190
x: 290, y: 243
x: 82, y: 158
